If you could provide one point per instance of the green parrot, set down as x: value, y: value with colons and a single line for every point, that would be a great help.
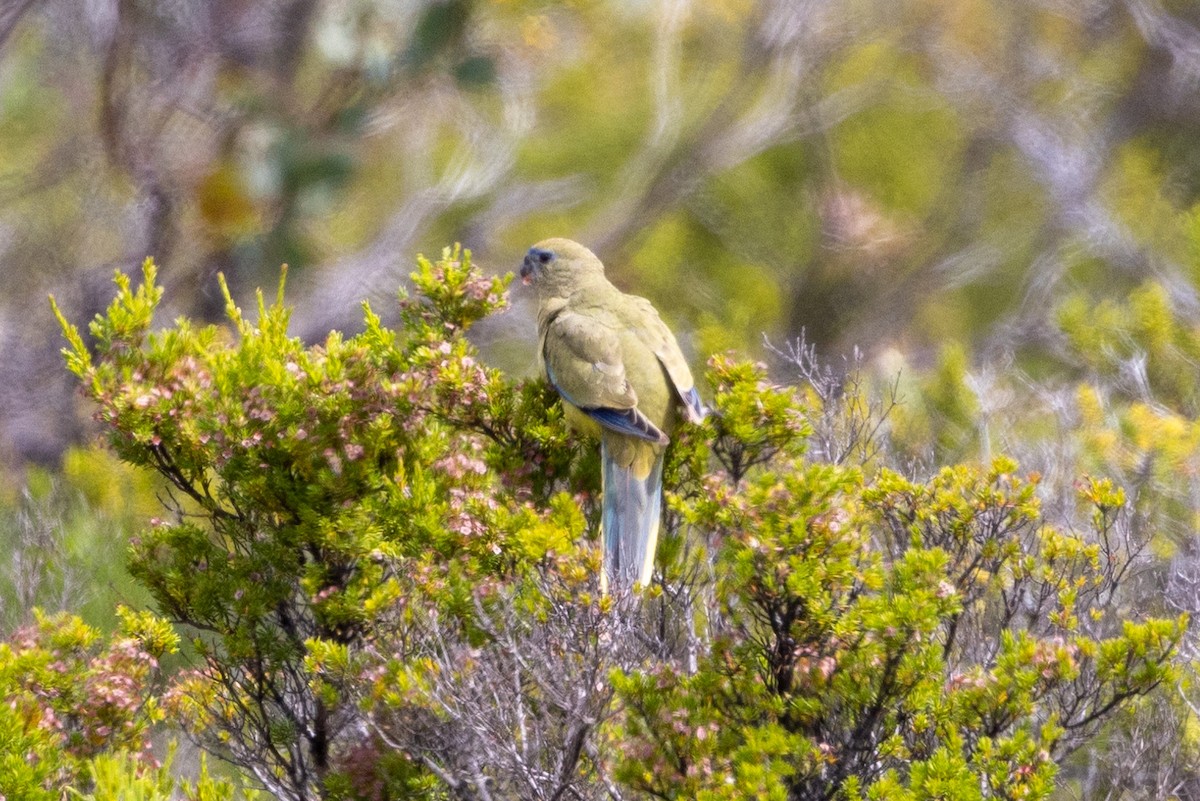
x: 621, y: 376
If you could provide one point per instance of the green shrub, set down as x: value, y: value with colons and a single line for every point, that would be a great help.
x: 381, y: 552
x: 68, y: 695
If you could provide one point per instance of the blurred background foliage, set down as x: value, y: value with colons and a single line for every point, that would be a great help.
x: 892, y: 176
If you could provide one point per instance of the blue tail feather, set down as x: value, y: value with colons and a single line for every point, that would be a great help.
x: 632, y: 509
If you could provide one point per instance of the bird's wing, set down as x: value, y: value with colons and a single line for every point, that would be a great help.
x: 653, y: 332
x: 582, y: 356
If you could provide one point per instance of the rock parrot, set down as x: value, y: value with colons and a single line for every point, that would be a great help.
x: 621, y: 377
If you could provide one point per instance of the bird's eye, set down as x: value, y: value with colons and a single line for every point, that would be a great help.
x: 544, y: 256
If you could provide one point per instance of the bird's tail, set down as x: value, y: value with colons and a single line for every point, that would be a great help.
x: 632, y: 509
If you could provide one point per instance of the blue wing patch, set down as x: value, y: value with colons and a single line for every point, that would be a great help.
x: 627, y: 421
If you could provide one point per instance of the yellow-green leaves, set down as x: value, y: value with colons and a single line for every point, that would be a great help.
x: 316, y: 491
x: 381, y: 549
x: 453, y: 294
x: 884, y: 637
x: 71, y: 700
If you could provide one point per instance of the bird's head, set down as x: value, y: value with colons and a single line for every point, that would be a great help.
x: 557, y: 267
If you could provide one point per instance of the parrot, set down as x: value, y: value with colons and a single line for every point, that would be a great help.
x: 621, y: 377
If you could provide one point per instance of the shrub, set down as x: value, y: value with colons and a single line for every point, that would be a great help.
x: 380, y: 550
x: 68, y: 695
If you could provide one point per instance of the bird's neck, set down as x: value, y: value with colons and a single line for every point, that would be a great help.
x: 586, y: 285
x: 547, y: 309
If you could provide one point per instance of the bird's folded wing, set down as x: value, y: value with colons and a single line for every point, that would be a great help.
x: 583, y: 361
x: 651, y: 330
x: 628, y: 421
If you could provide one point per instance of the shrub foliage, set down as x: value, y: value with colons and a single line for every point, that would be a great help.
x: 381, y: 552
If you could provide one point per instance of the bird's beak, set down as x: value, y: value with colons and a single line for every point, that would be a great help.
x: 535, y: 262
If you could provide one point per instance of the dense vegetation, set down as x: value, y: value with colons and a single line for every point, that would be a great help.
x: 379, y: 555
x: 894, y: 175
